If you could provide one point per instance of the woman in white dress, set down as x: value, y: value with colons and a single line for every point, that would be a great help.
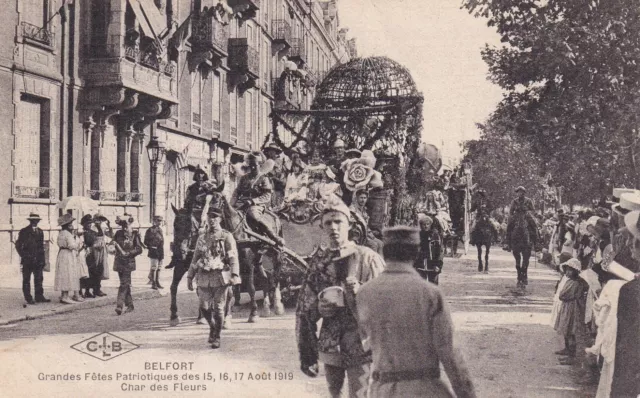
x: 67, y: 276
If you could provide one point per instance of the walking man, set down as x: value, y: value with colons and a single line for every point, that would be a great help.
x: 215, y: 266
x: 154, y: 241
x: 30, y: 247
x: 407, y: 355
x: 342, y: 267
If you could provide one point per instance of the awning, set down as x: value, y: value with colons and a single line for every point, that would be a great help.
x: 151, y: 20
x: 140, y: 18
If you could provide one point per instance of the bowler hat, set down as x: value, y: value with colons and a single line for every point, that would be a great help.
x: 65, y: 219
x: 34, y: 216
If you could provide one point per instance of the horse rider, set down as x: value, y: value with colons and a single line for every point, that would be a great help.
x: 521, y: 206
x: 197, y: 201
x: 253, y: 194
x: 482, y: 207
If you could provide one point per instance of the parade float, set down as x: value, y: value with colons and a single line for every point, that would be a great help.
x: 373, y: 106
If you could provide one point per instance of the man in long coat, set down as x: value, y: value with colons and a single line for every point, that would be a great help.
x: 407, y: 355
x: 30, y: 247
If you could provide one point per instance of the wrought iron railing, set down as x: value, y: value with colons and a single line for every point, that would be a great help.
x: 115, y: 196
x: 208, y: 32
x: 281, y: 30
x: 148, y: 59
x: 244, y: 57
x: 34, y: 192
x: 298, y: 50
x: 38, y: 34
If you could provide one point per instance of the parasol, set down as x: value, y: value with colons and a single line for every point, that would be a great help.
x: 81, y: 203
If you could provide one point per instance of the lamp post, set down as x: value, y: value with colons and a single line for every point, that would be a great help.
x: 155, y: 150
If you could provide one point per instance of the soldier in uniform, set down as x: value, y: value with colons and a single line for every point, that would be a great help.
x: 254, y: 194
x: 407, y: 355
x: 521, y: 206
x: 197, y: 201
x: 215, y: 266
x: 343, y: 267
x: 278, y: 174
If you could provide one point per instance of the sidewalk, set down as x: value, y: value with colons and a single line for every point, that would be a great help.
x: 12, y: 304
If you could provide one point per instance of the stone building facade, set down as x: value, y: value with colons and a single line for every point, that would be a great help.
x: 83, y: 87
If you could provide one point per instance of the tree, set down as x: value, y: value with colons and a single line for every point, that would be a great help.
x: 571, y: 72
x: 500, y: 164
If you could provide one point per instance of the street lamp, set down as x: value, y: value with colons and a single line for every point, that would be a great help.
x: 155, y: 151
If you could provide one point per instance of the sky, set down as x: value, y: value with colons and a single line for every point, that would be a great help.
x: 440, y: 44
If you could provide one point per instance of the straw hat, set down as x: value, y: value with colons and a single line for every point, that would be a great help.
x: 521, y: 188
x: 272, y: 147
x: 631, y: 221
x: 65, y: 219
x: 34, y: 216
x: 338, y: 143
x: 573, y: 263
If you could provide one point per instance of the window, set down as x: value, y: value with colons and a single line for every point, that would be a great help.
x: 233, y: 113
x: 248, y: 118
x: 109, y: 163
x: 32, y: 145
x: 216, y: 102
x: 35, y: 12
x: 196, y: 101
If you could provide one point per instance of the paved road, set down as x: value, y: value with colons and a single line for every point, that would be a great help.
x: 503, y: 330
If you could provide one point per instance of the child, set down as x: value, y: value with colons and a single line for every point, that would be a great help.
x: 429, y: 262
x: 571, y: 313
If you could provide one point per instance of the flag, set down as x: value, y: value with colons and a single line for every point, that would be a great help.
x: 181, y: 35
x: 181, y: 160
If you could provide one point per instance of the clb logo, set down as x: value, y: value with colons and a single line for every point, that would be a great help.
x: 105, y: 346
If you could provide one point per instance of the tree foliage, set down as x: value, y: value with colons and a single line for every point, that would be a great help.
x: 571, y: 73
x: 500, y: 164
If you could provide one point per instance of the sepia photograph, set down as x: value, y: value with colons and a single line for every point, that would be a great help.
x: 320, y: 198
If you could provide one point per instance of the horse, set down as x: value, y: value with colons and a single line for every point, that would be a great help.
x: 522, y: 240
x: 183, y: 247
x: 483, y: 234
x: 251, y: 252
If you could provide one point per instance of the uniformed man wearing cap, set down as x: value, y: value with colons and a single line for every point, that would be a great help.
x: 521, y: 206
x: 196, y: 202
x: 154, y: 242
x: 215, y: 267
x: 343, y: 266
x: 407, y: 355
x: 253, y: 194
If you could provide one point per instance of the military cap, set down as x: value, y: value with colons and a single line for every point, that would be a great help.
x: 401, y: 235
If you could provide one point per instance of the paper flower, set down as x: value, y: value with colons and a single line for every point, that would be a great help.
x: 359, y: 173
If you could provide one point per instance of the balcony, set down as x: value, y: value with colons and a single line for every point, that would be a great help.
x: 244, y: 59
x: 37, y: 34
x: 34, y: 192
x: 298, y: 52
x: 247, y: 9
x: 110, y: 196
x: 281, y: 33
x: 210, y: 35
